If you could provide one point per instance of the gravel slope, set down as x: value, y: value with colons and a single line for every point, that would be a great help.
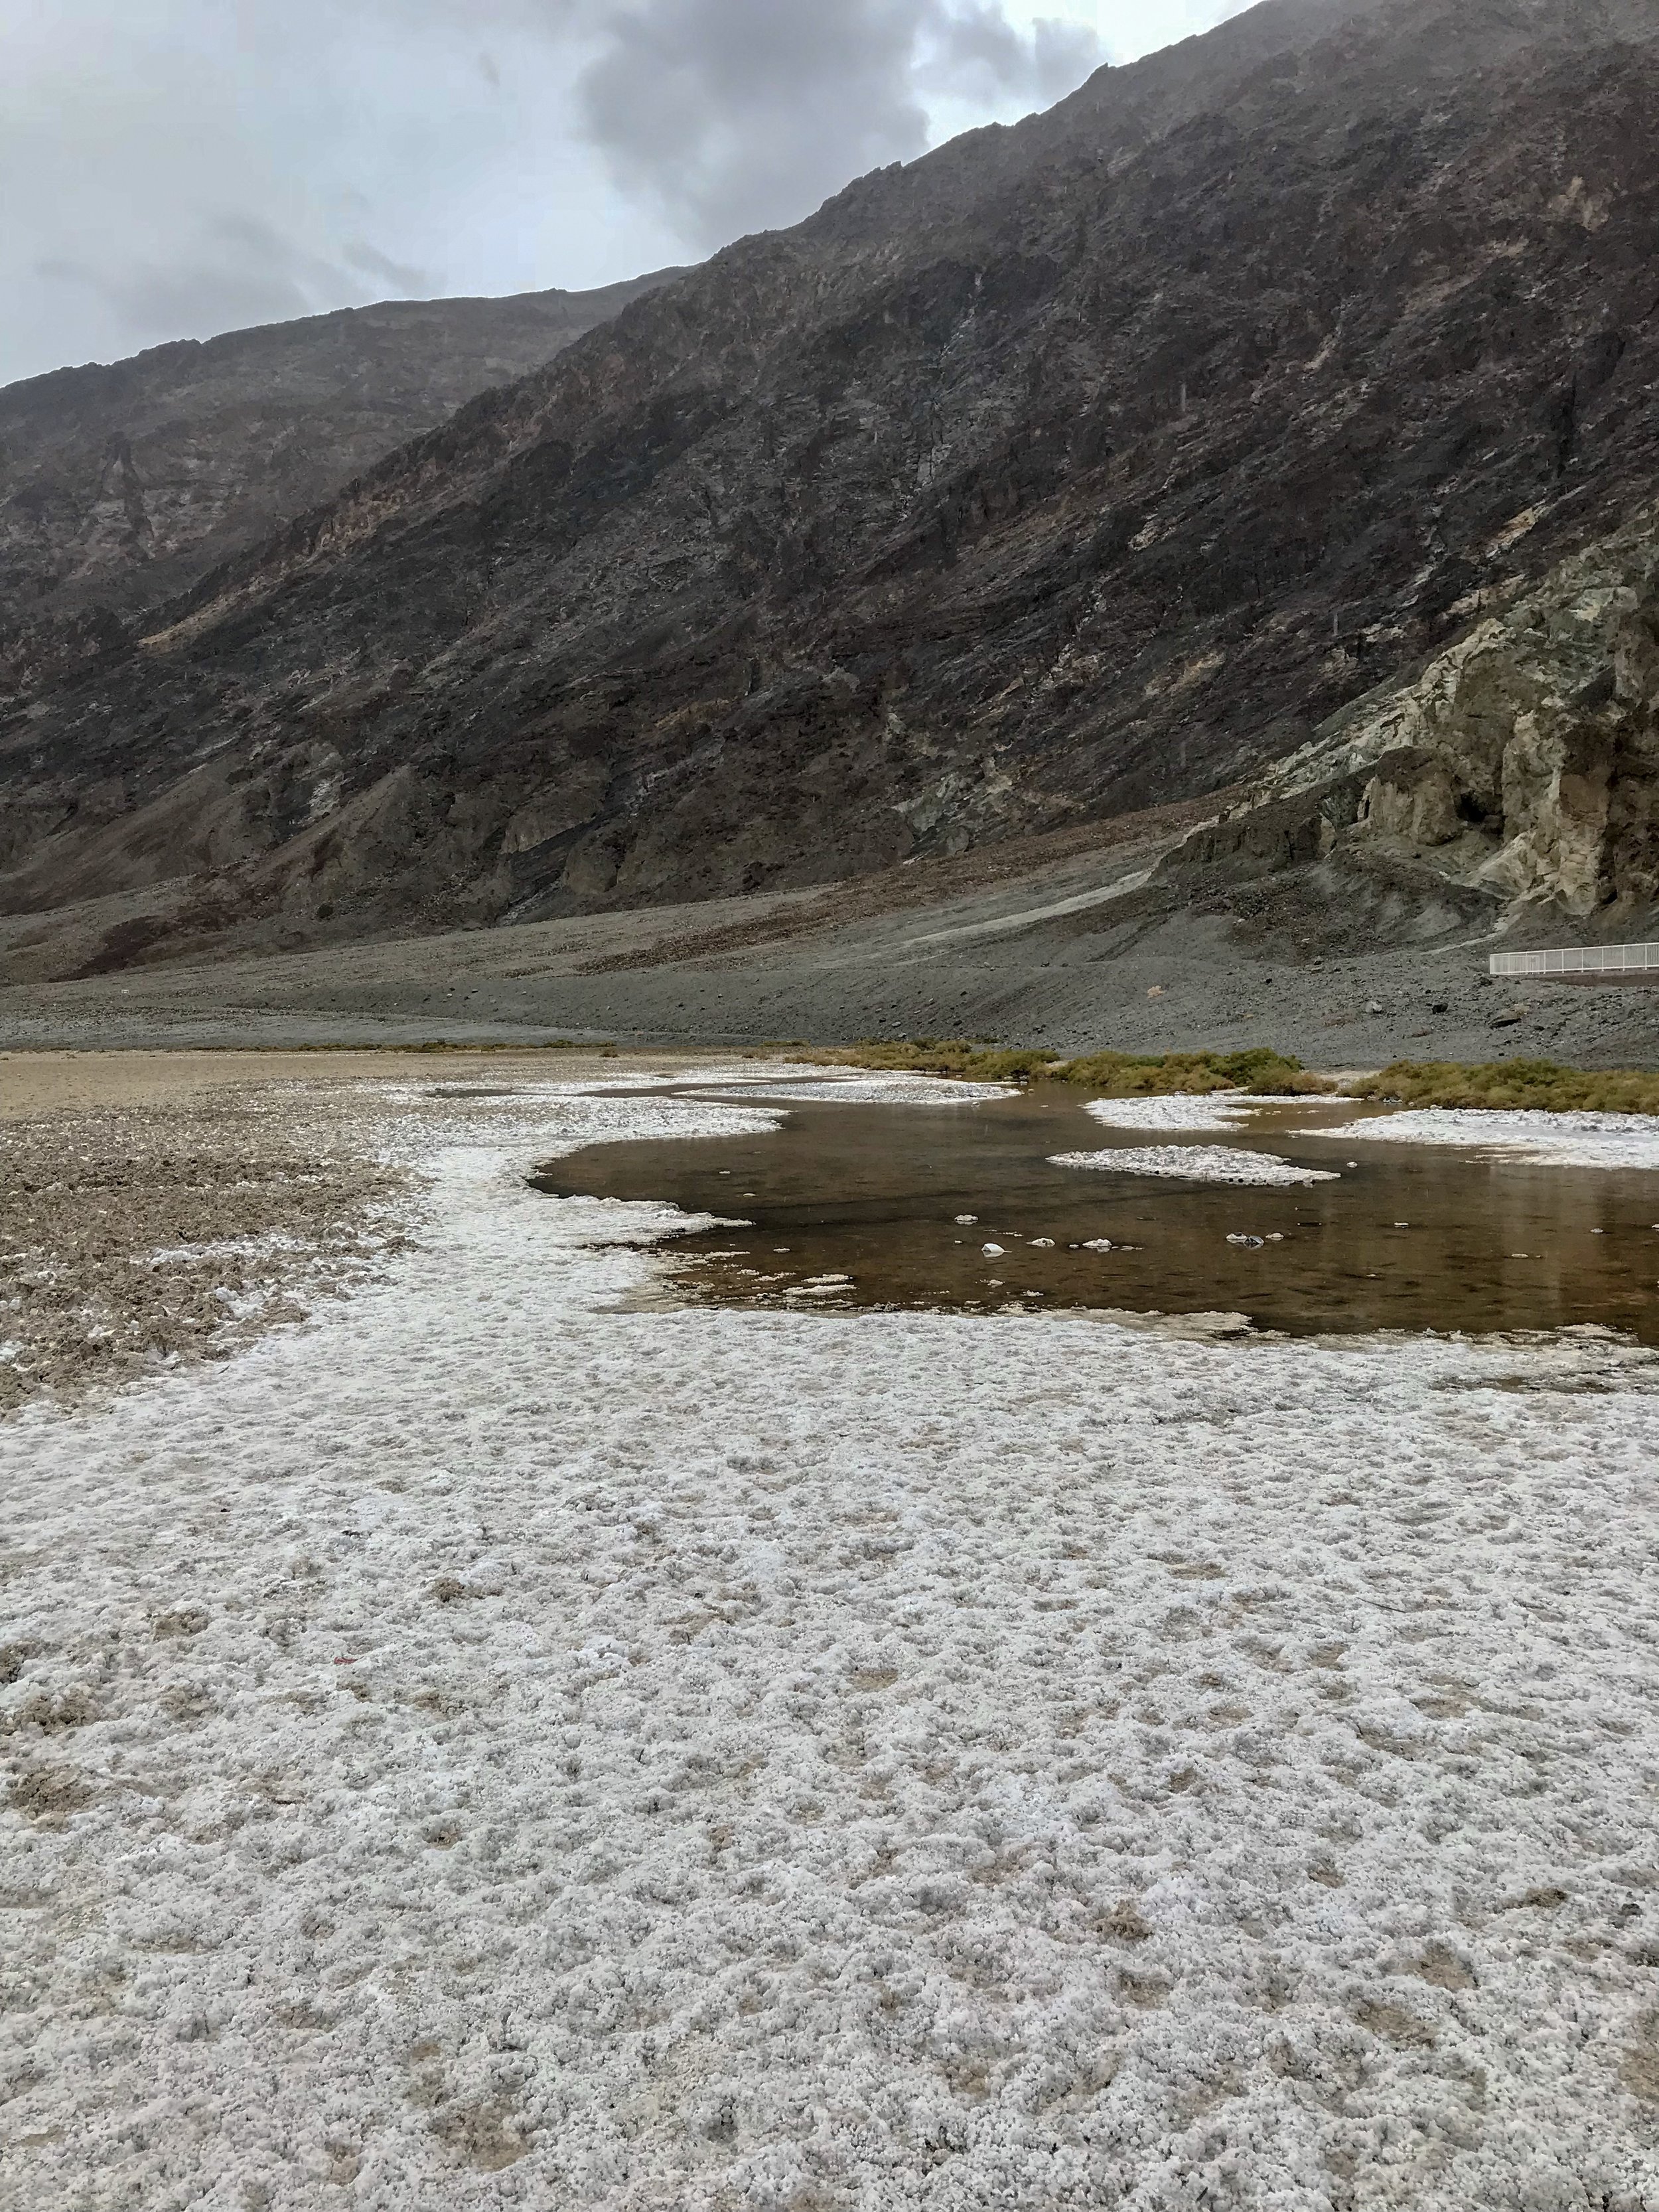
x: 963, y: 966
x: 488, y: 1748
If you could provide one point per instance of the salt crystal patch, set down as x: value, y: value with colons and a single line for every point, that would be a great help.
x: 1216, y: 1163
x: 1218, y: 1110
x: 1568, y: 1141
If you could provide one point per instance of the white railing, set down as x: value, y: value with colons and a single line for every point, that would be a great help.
x: 1595, y: 960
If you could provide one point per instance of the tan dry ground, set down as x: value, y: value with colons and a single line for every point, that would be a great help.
x: 33, y: 1083
x: 167, y: 1207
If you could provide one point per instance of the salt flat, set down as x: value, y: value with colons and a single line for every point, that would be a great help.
x: 491, y: 1747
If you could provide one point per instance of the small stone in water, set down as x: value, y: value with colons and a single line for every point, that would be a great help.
x: 966, y: 1220
x: 1098, y: 1244
x: 991, y: 1251
x: 1403, y: 1224
x: 1042, y: 1243
x: 1251, y: 1244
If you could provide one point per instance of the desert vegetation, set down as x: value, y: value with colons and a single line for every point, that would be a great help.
x: 1544, y: 1085
x: 1108, y: 1074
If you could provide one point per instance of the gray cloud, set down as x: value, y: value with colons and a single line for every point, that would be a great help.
x: 738, y: 114
x: 401, y: 275
x: 980, y: 46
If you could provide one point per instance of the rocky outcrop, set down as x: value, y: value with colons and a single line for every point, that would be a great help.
x: 1532, y: 765
x: 1080, y: 467
x: 1522, y: 763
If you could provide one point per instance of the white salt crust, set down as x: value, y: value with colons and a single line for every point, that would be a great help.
x: 1222, y: 1164
x: 823, y: 1760
x: 1219, y: 1110
x: 1566, y: 1140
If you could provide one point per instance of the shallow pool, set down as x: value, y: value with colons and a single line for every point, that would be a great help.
x: 1409, y: 1237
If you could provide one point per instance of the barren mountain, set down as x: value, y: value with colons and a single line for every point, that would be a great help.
x: 119, y: 486
x: 1077, y: 467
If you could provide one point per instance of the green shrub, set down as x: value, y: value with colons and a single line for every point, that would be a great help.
x: 1542, y: 1084
x: 958, y: 1056
x: 1136, y: 1075
x: 1109, y: 1074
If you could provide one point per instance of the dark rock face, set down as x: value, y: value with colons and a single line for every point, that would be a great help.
x: 1079, y: 467
x: 120, y: 486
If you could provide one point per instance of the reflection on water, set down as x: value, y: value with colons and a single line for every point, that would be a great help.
x: 1409, y: 1238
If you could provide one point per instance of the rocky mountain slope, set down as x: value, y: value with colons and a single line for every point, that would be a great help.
x: 1077, y: 467
x: 119, y: 486
x: 1515, y: 779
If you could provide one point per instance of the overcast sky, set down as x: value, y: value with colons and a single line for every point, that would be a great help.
x: 171, y: 168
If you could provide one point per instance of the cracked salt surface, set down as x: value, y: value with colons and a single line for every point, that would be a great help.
x: 486, y: 1750
x: 1577, y: 1140
x: 1219, y: 1163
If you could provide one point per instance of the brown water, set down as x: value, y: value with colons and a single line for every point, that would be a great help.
x: 870, y: 1192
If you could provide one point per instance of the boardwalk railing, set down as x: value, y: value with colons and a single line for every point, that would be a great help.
x: 1595, y: 960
